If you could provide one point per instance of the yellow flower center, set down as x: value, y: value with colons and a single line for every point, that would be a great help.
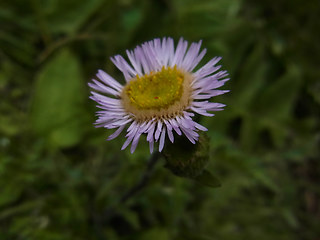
x: 161, y: 94
x: 156, y: 91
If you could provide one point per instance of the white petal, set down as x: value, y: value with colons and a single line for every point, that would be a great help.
x: 151, y: 145
x: 208, y: 68
x: 135, y: 142
x: 188, y: 135
x: 163, y: 136
x: 179, y: 53
x: 200, y: 127
x: 158, y: 131
x: 126, y: 143
x: 150, y: 132
x: 170, y: 135
x: 134, y: 62
x: 105, y: 77
x: 175, y: 126
x: 116, y: 133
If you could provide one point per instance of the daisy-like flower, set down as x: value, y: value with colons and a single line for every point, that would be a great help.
x: 162, y: 93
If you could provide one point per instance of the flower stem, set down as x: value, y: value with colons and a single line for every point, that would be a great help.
x: 107, y: 215
x: 144, y: 179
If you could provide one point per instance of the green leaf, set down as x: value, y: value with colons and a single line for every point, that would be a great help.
x: 57, y: 110
x: 207, y: 179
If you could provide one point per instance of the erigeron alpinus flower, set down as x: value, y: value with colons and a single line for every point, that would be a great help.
x: 161, y: 94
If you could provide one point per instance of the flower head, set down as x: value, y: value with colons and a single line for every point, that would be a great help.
x: 162, y: 92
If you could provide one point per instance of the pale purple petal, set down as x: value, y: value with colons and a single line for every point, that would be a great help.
x: 179, y: 53
x: 151, y: 131
x: 158, y: 131
x: 106, y: 78
x: 200, y: 127
x: 175, y: 126
x: 135, y: 142
x: 170, y: 135
x: 116, y: 133
x: 163, y: 135
x: 151, y: 145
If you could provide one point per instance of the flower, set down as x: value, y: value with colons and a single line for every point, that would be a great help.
x: 161, y: 94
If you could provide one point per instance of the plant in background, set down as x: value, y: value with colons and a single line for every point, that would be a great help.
x: 161, y: 94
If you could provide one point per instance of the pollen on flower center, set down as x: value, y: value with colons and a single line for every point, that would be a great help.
x: 161, y: 94
x: 156, y: 90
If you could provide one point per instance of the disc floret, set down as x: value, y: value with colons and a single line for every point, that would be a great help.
x: 161, y: 95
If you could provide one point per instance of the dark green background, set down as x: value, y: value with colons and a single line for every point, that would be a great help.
x: 58, y: 174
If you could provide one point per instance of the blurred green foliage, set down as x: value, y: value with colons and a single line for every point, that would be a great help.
x: 59, y: 178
